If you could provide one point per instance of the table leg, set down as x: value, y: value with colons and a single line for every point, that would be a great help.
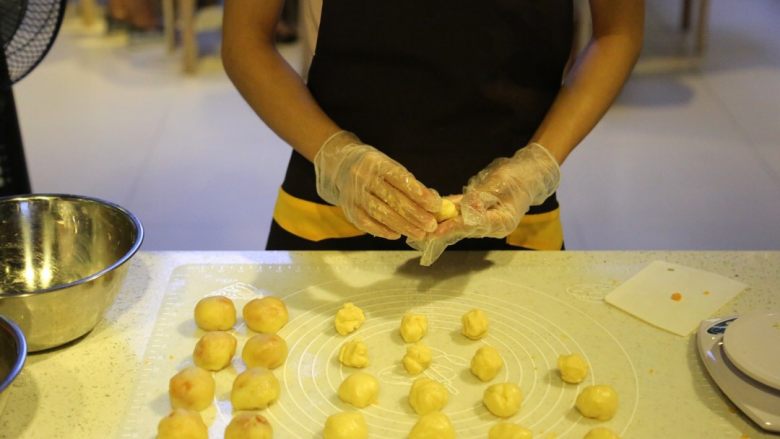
x: 188, y: 38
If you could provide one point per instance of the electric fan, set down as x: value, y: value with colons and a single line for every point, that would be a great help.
x: 27, y: 31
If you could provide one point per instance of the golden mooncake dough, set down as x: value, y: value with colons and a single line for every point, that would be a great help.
x: 601, y: 433
x: 182, y: 424
x: 215, y: 313
x: 359, y: 389
x: 573, y: 368
x: 413, y: 327
x: 598, y: 402
x: 486, y: 363
x: 266, y: 315
x: 214, y: 350
x: 264, y: 350
x: 505, y: 430
x: 354, y: 353
x: 418, y: 357
x: 475, y: 324
x: 254, y: 389
x: 249, y: 425
x: 345, y: 425
x: 192, y: 389
x: 503, y: 400
x: 348, y: 319
x: 448, y: 210
x: 427, y: 395
x: 433, y: 425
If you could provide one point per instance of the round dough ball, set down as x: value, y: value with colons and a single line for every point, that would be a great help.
x: 214, y: 350
x: 418, y: 357
x: 475, y: 324
x: 598, y: 402
x: 264, y: 350
x: 192, y: 388
x: 266, y: 315
x: 505, y: 430
x: 427, y: 396
x: 448, y: 210
x: 503, y: 400
x: 345, y: 425
x: 413, y: 327
x: 359, y: 389
x: 249, y: 426
x: 486, y: 363
x: 601, y: 433
x: 348, y: 319
x: 434, y: 425
x: 354, y: 353
x: 182, y: 424
x: 573, y: 368
x: 254, y: 389
x: 215, y: 313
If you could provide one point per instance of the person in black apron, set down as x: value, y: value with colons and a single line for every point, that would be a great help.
x: 409, y: 99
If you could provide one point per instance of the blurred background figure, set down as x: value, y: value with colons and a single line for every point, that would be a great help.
x: 287, y: 27
x: 133, y: 15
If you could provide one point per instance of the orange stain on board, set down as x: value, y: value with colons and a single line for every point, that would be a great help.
x: 706, y: 293
x: 676, y: 296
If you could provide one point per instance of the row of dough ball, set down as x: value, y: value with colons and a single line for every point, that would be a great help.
x: 188, y: 424
x: 266, y: 315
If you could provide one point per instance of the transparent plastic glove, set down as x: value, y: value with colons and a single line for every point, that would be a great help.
x: 376, y: 193
x: 495, y: 200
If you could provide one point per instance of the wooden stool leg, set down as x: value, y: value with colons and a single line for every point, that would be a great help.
x: 188, y: 40
x: 89, y: 11
x: 703, y: 27
x: 169, y: 24
x: 686, y: 14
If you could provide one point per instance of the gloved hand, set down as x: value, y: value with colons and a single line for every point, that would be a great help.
x: 376, y: 193
x: 495, y: 200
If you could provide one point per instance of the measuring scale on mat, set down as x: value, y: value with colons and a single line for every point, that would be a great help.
x: 742, y: 354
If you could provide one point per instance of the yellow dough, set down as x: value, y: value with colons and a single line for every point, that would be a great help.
x: 192, y: 388
x: 448, y: 210
x: 254, y: 389
x: 359, y: 389
x: 503, y: 400
x: 348, y: 319
x: 266, y: 315
x: 264, y: 350
x: 249, y: 426
x: 475, y: 324
x: 215, y: 313
x: 345, y: 425
x: 413, y: 327
x: 418, y: 357
x: 601, y: 433
x: 214, y: 350
x: 573, y: 368
x: 427, y: 395
x: 598, y: 402
x: 434, y: 425
x: 354, y: 353
x: 182, y: 424
x: 505, y: 430
x: 486, y: 363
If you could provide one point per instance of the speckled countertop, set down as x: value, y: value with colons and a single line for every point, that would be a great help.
x: 83, y: 390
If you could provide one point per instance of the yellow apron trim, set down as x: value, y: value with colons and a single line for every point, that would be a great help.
x: 315, y: 222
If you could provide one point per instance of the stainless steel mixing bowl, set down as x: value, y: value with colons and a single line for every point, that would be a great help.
x: 62, y: 262
x: 13, y: 352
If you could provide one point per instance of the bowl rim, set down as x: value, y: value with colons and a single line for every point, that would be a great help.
x: 21, y: 351
x: 129, y: 254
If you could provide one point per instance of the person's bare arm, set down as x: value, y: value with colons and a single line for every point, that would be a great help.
x: 597, y: 76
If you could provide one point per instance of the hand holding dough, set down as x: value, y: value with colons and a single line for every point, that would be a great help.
x: 573, y: 368
x: 601, y: 433
x: 503, y: 399
x: 413, y: 327
x: 264, y: 350
x: 505, y: 430
x: 214, y: 350
x: 254, y: 389
x: 434, y: 425
x: 486, y: 363
x: 427, y: 395
x: 598, y: 402
x: 354, y: 353
x: 359, y: 389
x: 215, y: 313
x: 192, y: 388
x: 266, y: 315
x: 182, y: 423
x: 249, y: 426
x: 418, y: 357
x: 348, y: 319
x: 345, y: 425
x: 475, y: 324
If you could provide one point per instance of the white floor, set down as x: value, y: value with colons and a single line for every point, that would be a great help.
x: 688, y: 158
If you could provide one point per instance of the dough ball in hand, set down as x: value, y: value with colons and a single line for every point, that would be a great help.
x: 249, y: 426
x: 503, y: 400
x: 254, y: 389
x: 266, y: 315
x: 359, y: 389
x: 601, y: 433
x: 345, y: 425
x: 354, y: 353
x: 434, y: 425
x: 573, y: 368
x: 505, y: 430
x: 448, y: 210
x: 413, y: 327
x: 214, y: 350
x: 182, y: 424
x: 418, y: 357
x: 215, y: 313
x: 192, y: 388
x: 427, y: 395
x: 475, y: 324
x: 264, y: 350
x: 348, y: 319
x: 598, y: 402
x: 486, y: 363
